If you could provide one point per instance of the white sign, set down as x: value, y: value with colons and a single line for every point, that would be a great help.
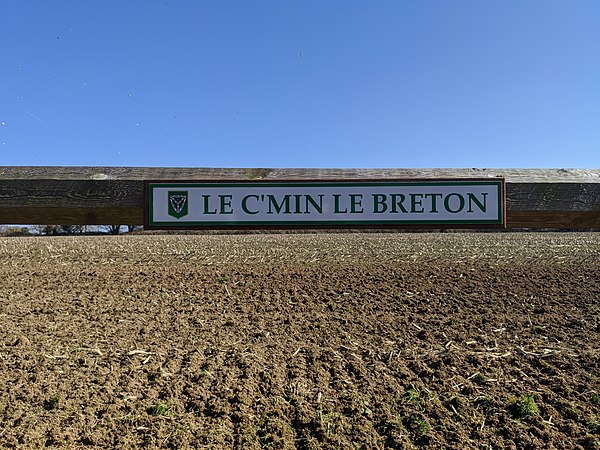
x: 183, y: 205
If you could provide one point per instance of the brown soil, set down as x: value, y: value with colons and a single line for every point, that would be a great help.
x: 466, y: 341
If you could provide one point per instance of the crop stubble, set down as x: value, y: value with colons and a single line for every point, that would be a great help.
x: 300, y: 341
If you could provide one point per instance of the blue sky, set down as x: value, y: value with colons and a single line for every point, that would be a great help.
x: 300, y: 83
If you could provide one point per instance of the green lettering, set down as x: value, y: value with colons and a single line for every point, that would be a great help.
x: 245, y: 204
x: 297, y: 209
x: 225, y: 203
x: 285, y: 202
x: 336, y: 205
x: 317, y: 206
x: 434, y: 198
x: 473, y: 199
x: 356, y: 201
x: 206, y: 205
x: 414, y: 203
x: 379, y: 203
x: 398, y: 203
x: 461, y: 203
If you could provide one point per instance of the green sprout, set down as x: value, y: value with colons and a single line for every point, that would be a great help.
x: 526, y: 407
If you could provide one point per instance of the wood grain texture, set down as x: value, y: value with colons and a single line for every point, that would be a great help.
x: 536, y: 198
x: 574, y: 197
x: 72, y: 216
x: 552, y: 219
x: 71, y: 193
x: 167, y: 173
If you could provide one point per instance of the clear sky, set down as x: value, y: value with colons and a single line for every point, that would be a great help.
x: 285, y: 83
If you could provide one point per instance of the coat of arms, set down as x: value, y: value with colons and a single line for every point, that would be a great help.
x: 178, y: 203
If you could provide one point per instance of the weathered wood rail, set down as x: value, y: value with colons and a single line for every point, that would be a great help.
x: 536, y: 198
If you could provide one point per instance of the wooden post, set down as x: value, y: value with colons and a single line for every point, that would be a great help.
x: 536, y: 198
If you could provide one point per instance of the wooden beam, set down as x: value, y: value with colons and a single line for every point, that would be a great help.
x: 553, y: 219
x: 536, y: 198
x: 184, y: 173
x: 72, y: 216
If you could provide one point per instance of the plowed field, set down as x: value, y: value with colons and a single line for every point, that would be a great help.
x: 466, y: 341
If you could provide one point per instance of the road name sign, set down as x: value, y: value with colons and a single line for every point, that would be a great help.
x: 463, y: 203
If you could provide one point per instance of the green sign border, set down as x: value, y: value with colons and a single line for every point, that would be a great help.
x: 178, y: 184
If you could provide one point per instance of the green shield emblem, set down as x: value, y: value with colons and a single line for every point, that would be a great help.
x: 178, y: 204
